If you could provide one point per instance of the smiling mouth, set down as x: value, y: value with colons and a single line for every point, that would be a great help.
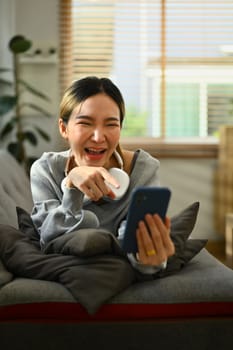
x: 94, y: 151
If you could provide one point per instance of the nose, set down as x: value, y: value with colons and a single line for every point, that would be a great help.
x: 98, y: 135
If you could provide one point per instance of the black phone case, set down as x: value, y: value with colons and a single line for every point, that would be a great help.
x: 152, y: 200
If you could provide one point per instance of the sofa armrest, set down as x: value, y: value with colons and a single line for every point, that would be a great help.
x: 14, y: 189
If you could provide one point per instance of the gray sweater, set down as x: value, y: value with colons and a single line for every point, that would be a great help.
x: 58, y: 210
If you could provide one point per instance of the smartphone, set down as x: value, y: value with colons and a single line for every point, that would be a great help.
x: 144, y: 200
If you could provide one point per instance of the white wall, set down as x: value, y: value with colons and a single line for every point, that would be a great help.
x: 38, y: 22
x: 192, y: 180
x: 7, y: 29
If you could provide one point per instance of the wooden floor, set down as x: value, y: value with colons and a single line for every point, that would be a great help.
x: 217, y: 248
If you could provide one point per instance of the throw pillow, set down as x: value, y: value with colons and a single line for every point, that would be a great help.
x: 26, y: 225
x: 5, y: 276
x: 182, y: 225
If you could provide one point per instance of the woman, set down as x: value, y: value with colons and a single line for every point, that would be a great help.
x: 74, y: 189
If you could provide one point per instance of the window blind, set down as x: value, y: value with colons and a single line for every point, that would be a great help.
x: 171, y: 59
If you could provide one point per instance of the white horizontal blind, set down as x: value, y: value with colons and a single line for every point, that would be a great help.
x: 131, y: 42
x: 66, y: 44
x: 93, y: 26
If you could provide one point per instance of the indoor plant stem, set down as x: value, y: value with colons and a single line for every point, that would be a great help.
x: 22, y: 153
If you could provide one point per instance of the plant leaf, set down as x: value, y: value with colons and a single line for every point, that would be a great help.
x: 18, y: 44
x: 28, y: 135
x: 30, y: 161
x: 33, y: 90
x: 7, y: 102
x: 3, y: 70
x: 37, y: 108
x: 8, y: 127
x: 15, y: 149
x: 6, y: 82
x: 43, y: 134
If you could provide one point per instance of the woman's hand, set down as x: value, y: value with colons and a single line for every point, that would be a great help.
x: 92, y: 181
x: 153, y: 240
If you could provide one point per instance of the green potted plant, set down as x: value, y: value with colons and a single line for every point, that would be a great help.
x: 15, y: 126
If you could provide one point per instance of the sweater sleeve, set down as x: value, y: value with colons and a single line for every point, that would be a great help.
x: 56, y: 212
x: 144, y: 269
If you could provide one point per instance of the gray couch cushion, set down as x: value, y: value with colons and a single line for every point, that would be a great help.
x: 204, y: 279
x: 25, y: 290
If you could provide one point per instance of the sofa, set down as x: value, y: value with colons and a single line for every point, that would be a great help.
x: 188, y: 307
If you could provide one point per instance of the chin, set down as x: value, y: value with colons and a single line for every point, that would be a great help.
x: 93, y: 163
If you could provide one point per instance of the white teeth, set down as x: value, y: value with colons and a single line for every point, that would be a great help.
x: 90, y: 150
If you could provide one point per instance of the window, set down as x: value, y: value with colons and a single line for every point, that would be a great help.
x: 172, y: 60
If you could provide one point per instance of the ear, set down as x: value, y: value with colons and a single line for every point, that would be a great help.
x: 63, y: 128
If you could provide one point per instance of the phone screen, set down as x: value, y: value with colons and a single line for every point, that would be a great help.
x: 145, y: 200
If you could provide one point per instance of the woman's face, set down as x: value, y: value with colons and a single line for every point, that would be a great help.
x: 93, y: 130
